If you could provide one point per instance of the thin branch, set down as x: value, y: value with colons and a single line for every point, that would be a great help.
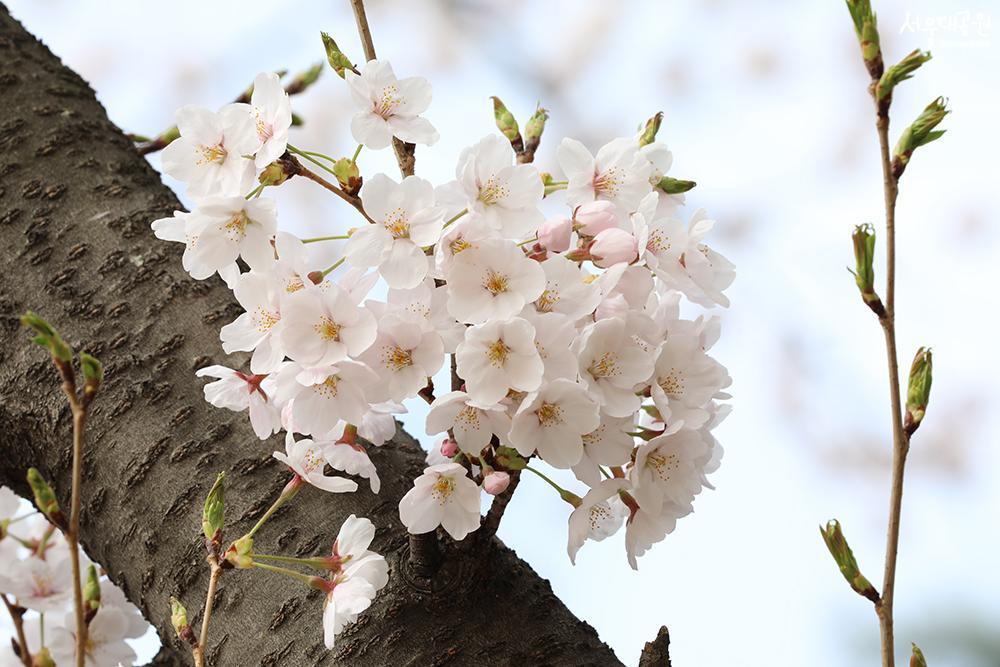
x: 353, y: 200
x: 405, y: 153
x: 900, y: 441
x: 73, y: 532
x: 213, y: 583
x: 17, y: 618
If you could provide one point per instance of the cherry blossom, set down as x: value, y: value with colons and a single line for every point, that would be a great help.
x: 389, y: 107
x: 599, y: 515
x: 41, y: 585
x: 359, y: 575
x: 258, y: 329
x: 568, y: 289
x: 404, y: 357
x: 238, y: 391
x: 472, y: 423
x: 492, y: 281
x: 617, y: 173
x: 552, y: 422
x: 306, y: 459
x: 352, y: 459
x: 498, y: 356
x: 611, y: 365
x: 209, y: 155
x: 227, y: 228
x: 106, y: 635
x: 609, y: 445
x: 324, y: 394
x: 685, y: 379
x: 443, y: 496
x: 668, y: 467
x: 324, y: 326
x: 272, y: 116
x: 505, y: 195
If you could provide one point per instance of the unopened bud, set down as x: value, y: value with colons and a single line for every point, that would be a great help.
x: 533, y: 134
x: 864, y: 271
x: 48, y: 337
x: 91, y: 594
x: 93, y: 375
x: 507, y: 124
x: 304, y: 80
x: 240, y: 553
x: 919, y: 390
x: 45, y: 498
x: 866, y: 29
x: 212, y: 517
x: 348, y: 175
x: 675, y: 186
x: 844, y: 558
x: 648, y: 135
x: 900, y: 72
x: 179, y: 619
x: 555, y: 233
x: 278, y: 172
x: 496, y: 482
x: 594, y: 217
x: 920, y: 133
x: 613, y: 246
x: 338, y: 61
x: 510, y: 459
x: 449, y: 448
x: 917, y: 657
x: 43, y: 658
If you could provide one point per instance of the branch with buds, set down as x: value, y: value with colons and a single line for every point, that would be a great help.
x: 882, y: 83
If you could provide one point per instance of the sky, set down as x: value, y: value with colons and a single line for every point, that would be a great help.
x: 765, y: 106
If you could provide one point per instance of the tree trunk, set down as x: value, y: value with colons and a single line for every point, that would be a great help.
x: 76, y: 201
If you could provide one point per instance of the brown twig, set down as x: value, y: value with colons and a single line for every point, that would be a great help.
x: 405, y: 152
x: 900, y: 441
x: 213, y: 583
x: 17, y: 618
x: 73, y: 532
x: 302, y: 170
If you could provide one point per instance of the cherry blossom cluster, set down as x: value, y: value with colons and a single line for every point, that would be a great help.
x: 36, y: 580
x: 558, y: 301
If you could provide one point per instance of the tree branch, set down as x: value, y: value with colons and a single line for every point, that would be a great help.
x: 657, y: 652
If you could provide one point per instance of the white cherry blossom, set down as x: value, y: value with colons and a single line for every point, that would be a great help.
x: 443, y: 496
x: 607, y: 445
x: 272, y: 116
x: 472, y: 423
x: 323, y: 395
x: 389, y: 107
x: 324, y: 326
x: 238, y: 391
x: 227, y: 228
x: 599, y: 515
x: 209, y: 155
x: 568, y: 289
x: 403, y: 357
x: 685, y: 379
x: 669, y: 467
x: 617, y: 173
x: 259, y: 327
x: 106, y: 645
x: 41, y: 585
x: 505, y: 194
x: 611, y: 365
x: 492, y: 281
x: 406, y: 220
x: 552, y: 422
x: 354, y: 584
x: 498, y: 356
x: 306, y: 458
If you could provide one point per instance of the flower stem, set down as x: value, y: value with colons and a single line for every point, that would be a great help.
x: 289, y: 492
x: 307, y: 579
x: 256, y: 191
x: 213, y: 583
x: 555, y: 486
x: 353, y: 200
x: 318, y: 563
x: 455, y: 217
x: 317, y: 239
x: 357, y: 152
x: 328, y: 270
x: 73, y: 531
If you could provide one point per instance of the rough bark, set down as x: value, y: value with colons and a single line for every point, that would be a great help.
x: 76, y: 201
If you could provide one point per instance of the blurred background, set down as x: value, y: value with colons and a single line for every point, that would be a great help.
x: 766, y: 107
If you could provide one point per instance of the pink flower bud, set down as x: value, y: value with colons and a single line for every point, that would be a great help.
x: 449, y: 448
x: 596, y: 216
x: 613, y: 246
x: 496, y: 482
x: 554, y: 234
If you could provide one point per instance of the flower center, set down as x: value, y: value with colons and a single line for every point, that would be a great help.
x: 495, y: 282
x: 264, y: 320
x: 609, y: 182
x: 386, y: 103
x: 606, y: 366
x: 328, y: 387
x: 658, y: 242
x: 212, y: 154
x: 397, y: 224
x: 312, y: 461
x: 497, y: 353
x: 236, y: 228
x: 663, y: 464
x: 294, y: 284
x: 672, y: 384
x: 493, y: 191
x: 327, y: 329
x: 469, y: 416
x: 442, y: 489
x: 396, y: 358
x: 264, y: 130
x: 547, y: 300
x: 549, y: 414
x: 599, y: 515
x: 458, y: 245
